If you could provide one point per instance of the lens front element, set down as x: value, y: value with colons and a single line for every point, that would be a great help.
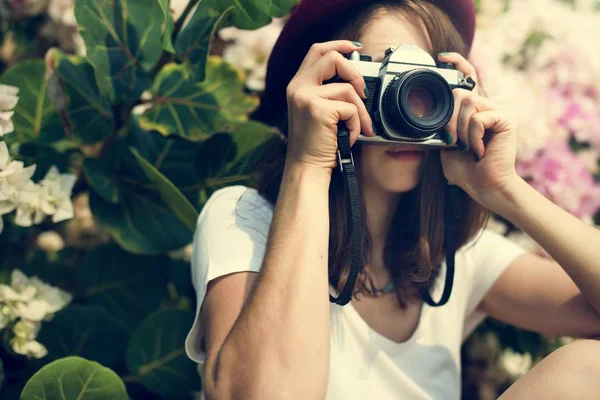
x: 421, y: 102
x: 417, y: 103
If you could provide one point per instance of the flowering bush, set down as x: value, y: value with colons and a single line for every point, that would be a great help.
x: 117, y: 121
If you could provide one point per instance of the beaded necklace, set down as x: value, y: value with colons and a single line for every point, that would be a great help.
x: 390, y: 287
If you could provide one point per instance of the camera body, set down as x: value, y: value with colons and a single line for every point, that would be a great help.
x: 410, y: 96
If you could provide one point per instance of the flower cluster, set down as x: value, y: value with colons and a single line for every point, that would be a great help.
x: 24, y: 304
x: 250, y: 50
x: 32, y: 202
x: 532, y: 59
x: 61, y: 25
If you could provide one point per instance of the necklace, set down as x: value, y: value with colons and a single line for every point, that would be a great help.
x: 386, y: 289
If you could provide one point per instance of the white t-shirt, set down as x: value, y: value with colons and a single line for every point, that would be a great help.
x: 231, y: 236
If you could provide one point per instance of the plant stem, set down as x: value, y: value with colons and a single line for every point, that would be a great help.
x: 166, y: 57
x: 183, y: 17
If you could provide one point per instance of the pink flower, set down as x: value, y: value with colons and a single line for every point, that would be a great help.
x: 564, y: 178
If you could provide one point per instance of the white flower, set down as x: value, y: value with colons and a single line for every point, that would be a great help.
x: 31, y: 299
x: 250, y: 50
x: 24, y: 341
x: 8, y: 101
x: 515, y: 364
x: 56, y: 194
x: 6, y: 124
x: 29, y: 206
x: 14, y: 177
x: 29, y: 348
x: 62, y: 11
x: 50, y: 241
x: 8, y: 97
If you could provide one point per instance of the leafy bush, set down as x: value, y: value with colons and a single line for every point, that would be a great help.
x: 150, y: 123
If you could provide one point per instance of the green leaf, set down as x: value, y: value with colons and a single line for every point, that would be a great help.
x: 226, y: 159
x: 87, y: 331
x: 167, y: 42
x: 123, y: 40
x: 74, y: 378
x: 100, y: 175
x: 176, y: 201
x: 254, y: 14
x: 86, y: 115
x: 226, y: 84
x: 157, y: 356
x: 180, y: 106
x: 140, y: 221
x: 126, y: 285
x: 35, y: 117
x: 193, y: 43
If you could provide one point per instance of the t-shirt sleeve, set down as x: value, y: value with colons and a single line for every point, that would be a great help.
x: 487, y: 256
x: 231, y: 236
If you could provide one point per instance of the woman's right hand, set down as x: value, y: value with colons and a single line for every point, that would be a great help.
x: 314, y: 109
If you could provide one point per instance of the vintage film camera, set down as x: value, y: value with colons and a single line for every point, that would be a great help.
x: 410, y: 96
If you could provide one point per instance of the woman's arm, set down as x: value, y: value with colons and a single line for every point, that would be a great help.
x: 278, y: 346
x: 574, y: 244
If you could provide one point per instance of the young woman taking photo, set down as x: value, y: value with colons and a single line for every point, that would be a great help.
x: 266, y: 260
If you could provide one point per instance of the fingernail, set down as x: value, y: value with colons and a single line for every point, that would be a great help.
x: 366, y: 91
x: 448, y: 138
x: 462, y: 145
x: 357, y: 44
x: 444, y: 54
x: 476, y: 157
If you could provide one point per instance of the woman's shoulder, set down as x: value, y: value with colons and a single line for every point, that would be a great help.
x: 238, y: 203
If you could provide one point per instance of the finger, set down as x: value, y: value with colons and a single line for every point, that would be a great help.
x: 318, y: 50
x: 330, y: 65
x: 479, y: 123
x: 481, y: 103
x: 346, y: 92
x: 466, y: 110
x: 460, y: 63
x: 346, y: 112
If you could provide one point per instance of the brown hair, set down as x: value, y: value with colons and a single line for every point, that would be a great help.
x: 414, y: 245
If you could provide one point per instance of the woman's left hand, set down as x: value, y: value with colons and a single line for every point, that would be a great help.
x: 484, y: 164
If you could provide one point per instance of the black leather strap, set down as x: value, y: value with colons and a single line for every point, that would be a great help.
x: 346, y: 164
x: 452, y: 216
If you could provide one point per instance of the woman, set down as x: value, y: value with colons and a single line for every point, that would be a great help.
x: 265, y: 261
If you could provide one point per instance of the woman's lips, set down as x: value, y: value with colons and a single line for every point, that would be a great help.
x: 404, y: 153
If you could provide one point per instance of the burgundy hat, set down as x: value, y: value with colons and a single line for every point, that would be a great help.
x: 314, y: 21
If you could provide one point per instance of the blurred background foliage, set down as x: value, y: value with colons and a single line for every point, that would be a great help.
x: 146, y: 113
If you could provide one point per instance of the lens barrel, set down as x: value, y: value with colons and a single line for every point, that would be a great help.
x: 418, y: 103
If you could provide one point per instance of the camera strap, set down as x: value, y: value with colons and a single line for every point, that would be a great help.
x: 452, y: 215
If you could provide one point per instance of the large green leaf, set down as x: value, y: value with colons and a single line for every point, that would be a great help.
x: 180, y: 106
x: 74, y: 378
x: 193, y: 43
x: 226, y: 84
x: 176, y: 201
x: 139, y: 219
x: 123, y: 40
x: 253, y: 14
x: 86, y: 115
x: 126, y: 285
x: 227, y: 159
x: 35, y: 116
x: 87, y: 331
x: 167, y: 42
x: 156, y: 354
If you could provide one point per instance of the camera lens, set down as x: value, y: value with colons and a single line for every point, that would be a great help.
x: 421, y: 102
x: 417, y: 103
